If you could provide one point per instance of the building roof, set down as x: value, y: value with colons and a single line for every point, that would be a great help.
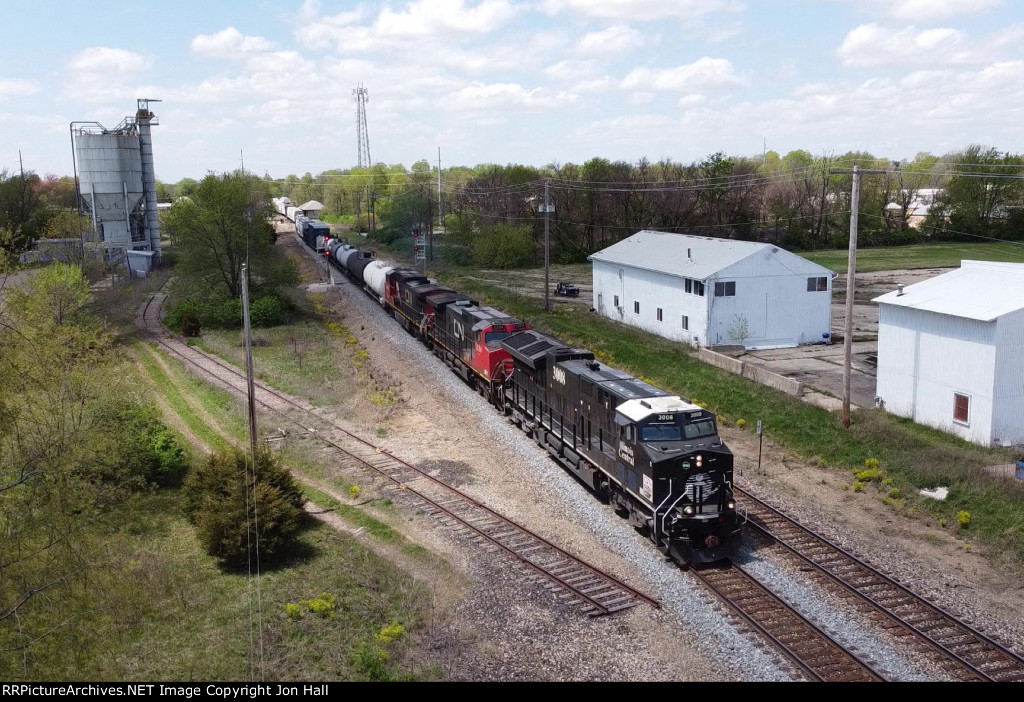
x: 982, y: 290
x: 685, y: 255
x: 311, y: 205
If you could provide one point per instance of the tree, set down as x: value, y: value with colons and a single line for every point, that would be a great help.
x: 229, y: 496
x: 223, y: 223
x: 73, y: 445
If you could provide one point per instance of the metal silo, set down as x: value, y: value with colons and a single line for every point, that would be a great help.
x: 116, y: 177
x: 145, y: 119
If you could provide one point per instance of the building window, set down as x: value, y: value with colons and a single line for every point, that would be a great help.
x: 686, y: 322
x: 659, y: 314
x: 698, y: 288
x: 725, y: 289
x: 688, y: 286
x: 636, y: 308
x: 819, y: 284
x: 961, y: 408
x: 616, y: 300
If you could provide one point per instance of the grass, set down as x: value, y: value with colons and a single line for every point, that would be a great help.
x: 162, y: 609
x: 939, y: 255
x: 915, y: 456
x: 177, y: 383
x: 296, y: 358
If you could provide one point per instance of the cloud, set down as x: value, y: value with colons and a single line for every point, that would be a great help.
x: 484, y: 97
x: 930, y: 10
x: 102, y: 74
x: 640, y: 10
x: 417, y: 20
x: 869, y: 45
x: 704, y: 73
x: 16, y: 87
x: 570, y: 70
x: 428, y: 17
x: 101, y: 59
x: 614, y: 40
x: 229, y: 43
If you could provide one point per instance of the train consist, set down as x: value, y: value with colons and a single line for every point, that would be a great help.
x: 313, y: 232
x: 655, y: 457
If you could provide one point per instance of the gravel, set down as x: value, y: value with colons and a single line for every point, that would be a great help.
x: 701, y: 620
x: 517, y: 637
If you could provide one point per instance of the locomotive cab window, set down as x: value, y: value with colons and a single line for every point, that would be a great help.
x: 662, y: 432
x: 628, y: 432
x: 493, y: 337
x: 700, y: 428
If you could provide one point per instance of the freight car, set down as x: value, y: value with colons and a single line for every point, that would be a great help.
x: 657, y: 458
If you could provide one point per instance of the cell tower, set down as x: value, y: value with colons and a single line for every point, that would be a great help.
x: 361, y: 95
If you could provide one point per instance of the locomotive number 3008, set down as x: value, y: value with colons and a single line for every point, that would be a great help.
x: 666, y: 418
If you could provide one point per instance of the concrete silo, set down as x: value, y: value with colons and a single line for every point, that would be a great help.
x: 117, y: 181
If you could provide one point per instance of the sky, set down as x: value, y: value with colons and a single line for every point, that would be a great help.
x: 531, y: 82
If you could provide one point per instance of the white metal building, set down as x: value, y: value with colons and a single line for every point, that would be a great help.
x: 951, y: 352
x: 708, y: 291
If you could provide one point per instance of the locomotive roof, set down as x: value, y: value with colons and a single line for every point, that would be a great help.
x: 612, y: 380
x: 452, y: 298
x: 422, y: 290
x: 485, y: 316
x: 532, y: 348
x: 643, y: 408
x: 406, y: 276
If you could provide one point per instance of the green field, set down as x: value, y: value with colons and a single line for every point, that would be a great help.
x: 889, y: 258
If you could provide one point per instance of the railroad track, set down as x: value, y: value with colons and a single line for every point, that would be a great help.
x: 595, y: 592
x: 959, y: 650
x: 811, y: 650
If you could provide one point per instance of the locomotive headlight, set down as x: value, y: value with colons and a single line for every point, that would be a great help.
x: 688, y: 510
x: 699, y: 460
x: 731, y: 504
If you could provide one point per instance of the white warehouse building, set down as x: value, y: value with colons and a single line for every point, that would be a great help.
x: 951, y: 352
x: 710, y: 292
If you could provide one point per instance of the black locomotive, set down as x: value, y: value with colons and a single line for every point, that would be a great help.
x: 656, y: 457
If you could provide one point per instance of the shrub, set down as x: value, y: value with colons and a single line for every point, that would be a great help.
x: 322, y: 606
x: 265, y: 312
x: 963, y: 518
x: 226, y: 314
x: 858, y: 486
x: 741, y: 423
x: 353, y: 491
x: 225, y: 513
x: 866, y: 476
x: 186, y: 317
x: 871, y: 463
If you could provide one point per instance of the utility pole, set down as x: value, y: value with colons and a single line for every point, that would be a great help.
x: 21, y: 164
x: 440, y: 213
x: 851, y: 269
x: 241, y: 157
x: 547, y: 247
x: 248, y: 359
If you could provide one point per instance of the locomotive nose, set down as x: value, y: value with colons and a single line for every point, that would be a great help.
x: 711, y: 542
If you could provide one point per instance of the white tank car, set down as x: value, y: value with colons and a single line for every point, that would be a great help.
x: 289, y: 212
x: 375, y: 275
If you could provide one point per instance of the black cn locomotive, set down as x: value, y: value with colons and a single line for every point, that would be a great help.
x: 656, y: 457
